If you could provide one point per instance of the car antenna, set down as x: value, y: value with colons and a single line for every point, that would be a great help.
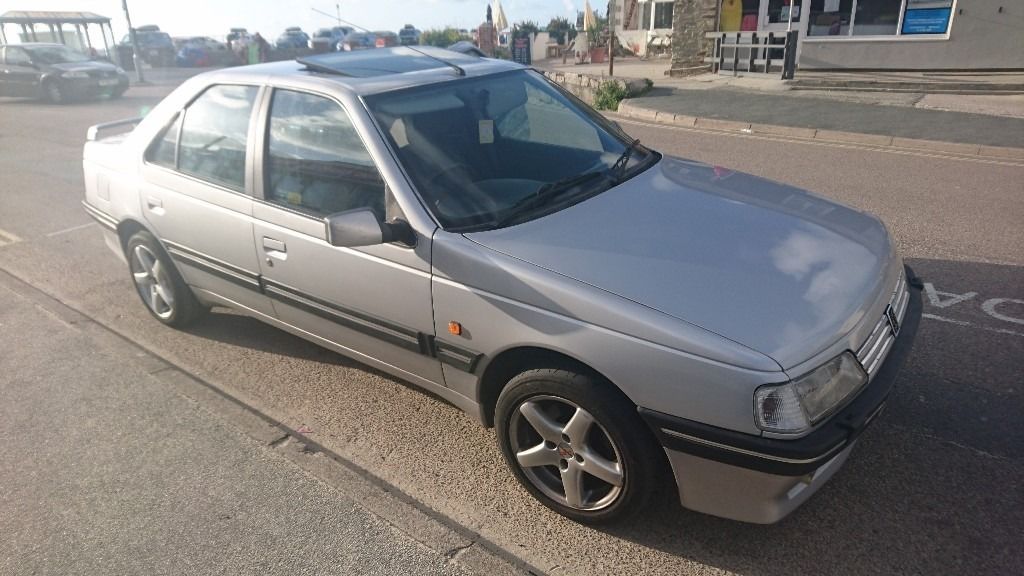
x: 458, y: 69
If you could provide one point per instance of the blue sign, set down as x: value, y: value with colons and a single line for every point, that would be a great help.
x: 926, y: 21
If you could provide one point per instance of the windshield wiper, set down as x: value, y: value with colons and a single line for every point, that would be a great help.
x: 545, y: 194
x: 619, y: 168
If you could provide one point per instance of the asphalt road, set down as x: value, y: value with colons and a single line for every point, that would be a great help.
x: 933, y: 487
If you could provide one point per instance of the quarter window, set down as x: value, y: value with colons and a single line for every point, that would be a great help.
x: 163, y: 151
x: 316, y: 162
x: 214, y: 135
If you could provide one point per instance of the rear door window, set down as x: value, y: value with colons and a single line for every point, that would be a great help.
x: 214, y: 135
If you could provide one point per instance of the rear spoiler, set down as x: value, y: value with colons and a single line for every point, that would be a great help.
x: 93, y: 132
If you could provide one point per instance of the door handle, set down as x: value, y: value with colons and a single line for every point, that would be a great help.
x: 155, y: 205
x: 275, y: 245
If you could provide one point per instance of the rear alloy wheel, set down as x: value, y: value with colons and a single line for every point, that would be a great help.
x: 576, y: 443
x: 159, y: 284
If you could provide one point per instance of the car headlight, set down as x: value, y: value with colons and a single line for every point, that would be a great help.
x: 797, y: 405
x: 75, y: 74
x: 119, y: 70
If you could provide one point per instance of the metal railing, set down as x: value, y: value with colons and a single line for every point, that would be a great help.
x: 754, y: 52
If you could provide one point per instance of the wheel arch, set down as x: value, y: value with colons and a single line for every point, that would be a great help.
x: 127, y: 228
x: 512, y: 361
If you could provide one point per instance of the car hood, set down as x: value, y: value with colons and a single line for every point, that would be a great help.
x: 775, y: 268
x: 88, y: 66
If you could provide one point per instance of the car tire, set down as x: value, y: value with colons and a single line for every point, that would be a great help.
x: 614, y: 462
x: 159, y: 284
x: 53, y: 93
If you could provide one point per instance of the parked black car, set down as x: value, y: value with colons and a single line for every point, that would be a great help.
x: 56, y: 73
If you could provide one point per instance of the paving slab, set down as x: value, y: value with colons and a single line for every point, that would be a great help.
x: 751, y: 107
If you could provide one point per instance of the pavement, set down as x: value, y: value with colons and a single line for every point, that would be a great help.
x: 115, y: 462
x: 985, y: 119
x: 933, y: 487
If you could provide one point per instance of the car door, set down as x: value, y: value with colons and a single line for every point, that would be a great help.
x: 20, y: 76
x: 197, y: 175
x: 374, y: 302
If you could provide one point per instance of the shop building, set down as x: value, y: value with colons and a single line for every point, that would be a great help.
x: 908, y: 35
x: 643, y: 25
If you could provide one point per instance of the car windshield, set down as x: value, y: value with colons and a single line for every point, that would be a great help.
x: 55, y: 55
x: 501, y: 149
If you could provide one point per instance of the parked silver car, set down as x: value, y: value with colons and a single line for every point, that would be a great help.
x: 462, y: 223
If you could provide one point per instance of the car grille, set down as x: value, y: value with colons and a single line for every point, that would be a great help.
x: 873, y: 352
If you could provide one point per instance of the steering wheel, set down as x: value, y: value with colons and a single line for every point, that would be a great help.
x: 464, y: 196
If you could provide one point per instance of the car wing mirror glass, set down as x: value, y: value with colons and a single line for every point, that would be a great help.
x: 362, y: 227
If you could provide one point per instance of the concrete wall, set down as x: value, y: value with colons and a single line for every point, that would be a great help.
x: 583, y: 86
x: 980, y: 38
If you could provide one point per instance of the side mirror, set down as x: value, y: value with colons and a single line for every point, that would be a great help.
x: 361, y: 227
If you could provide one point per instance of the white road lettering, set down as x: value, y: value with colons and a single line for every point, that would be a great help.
x: 989, y: 306
x: 8, y: 238
x: 950, y: 298
x: 970, y: 325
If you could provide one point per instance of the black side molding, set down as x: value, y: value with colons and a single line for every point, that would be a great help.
x: 802, y: 455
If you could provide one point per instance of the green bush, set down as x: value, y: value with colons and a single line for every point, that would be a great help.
x: 608, y: 95
x: 441, y: 38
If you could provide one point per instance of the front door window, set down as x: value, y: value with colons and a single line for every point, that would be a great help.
x: 316, y: 162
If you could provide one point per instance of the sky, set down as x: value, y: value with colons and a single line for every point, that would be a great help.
x: 271, y: 17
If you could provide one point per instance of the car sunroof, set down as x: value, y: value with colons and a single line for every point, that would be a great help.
x: 384, y: 61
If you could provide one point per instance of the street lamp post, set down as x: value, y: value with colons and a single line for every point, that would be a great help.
x: 135, y: 44
x: 611, y: 38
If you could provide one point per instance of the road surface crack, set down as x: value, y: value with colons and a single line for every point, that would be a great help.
x: 458, y: 550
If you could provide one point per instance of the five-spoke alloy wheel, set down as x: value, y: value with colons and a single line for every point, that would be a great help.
x: 576, y: 443
x: 152, y: 282
x: 565, y: 453
x: 159, y: 284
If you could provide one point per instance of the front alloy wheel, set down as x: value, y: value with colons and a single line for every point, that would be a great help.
x: 565, y: 453
x: 577, y: 444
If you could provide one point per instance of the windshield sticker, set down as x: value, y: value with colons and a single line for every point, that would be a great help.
x: 486, y: 131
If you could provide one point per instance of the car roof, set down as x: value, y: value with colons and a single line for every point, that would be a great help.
x: 35, y: 45
x: 395, y: 68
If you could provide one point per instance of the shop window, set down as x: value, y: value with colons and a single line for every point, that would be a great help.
x: 663, y: 14
x: 872, y: 17
x: 739, y: 15
x: 778, y: 10
x: 877, y: 17
x: 830, y: 17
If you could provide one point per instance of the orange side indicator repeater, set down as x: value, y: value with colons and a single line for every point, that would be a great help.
x: 455, y: 328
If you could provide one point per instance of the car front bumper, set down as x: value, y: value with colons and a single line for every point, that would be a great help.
x: 761, y: 480
x: 93, y: 87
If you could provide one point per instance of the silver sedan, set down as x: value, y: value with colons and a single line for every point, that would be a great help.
x: 620, y: 317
